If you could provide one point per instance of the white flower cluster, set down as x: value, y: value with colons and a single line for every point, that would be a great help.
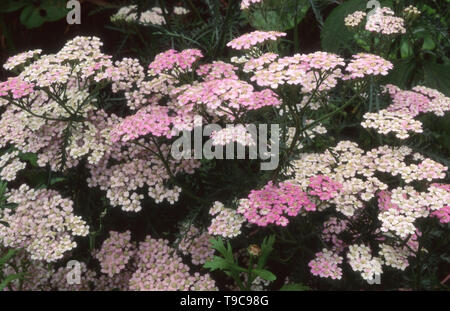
x: 226, y: 223
x: 42, y: 223
x: 10, y: 165
x: 385, y: 122
x: 236, y: 133
x: 154, y: 16
x: 361, y: 260
x: 20, y: 59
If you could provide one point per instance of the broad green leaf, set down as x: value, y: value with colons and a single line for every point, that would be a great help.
x: 7, y: 6
x: 428, y: 43
x: 31, y: 17
x: 406, y: 49
x: 34, y: 16
x: 278, y: 15
x: 437, y: 76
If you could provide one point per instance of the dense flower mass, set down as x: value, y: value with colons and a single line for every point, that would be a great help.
x: 252, y: 39
x: 91, y: 142
x: 381, y: 21
x: 160, y: 268
x: 43, y: 223
x: 272, y: 204
x: 115, y: 253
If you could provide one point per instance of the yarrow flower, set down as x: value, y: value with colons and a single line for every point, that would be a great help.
x: 226, y: 223
x: 196, y: 244
x: 385, y: 122
x: 237, y: 133
x: 324, y: 187
x: 272, y: 204
x: 355, y: 19
x: 160, y: 268
x: 245, y: 4
x: 43, y: 223
x: 115, y: 252
x: 20, y: 59
x: 249, y: 40
x: 10, y: 165
x: 383, y: 21
x: 361, y: 260
x: 364, y: 64
x: 173, y: 61
x: 16, y: 88
x: 326, y: 265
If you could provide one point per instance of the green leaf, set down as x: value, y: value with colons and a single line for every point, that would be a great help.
x: 30, y: 17
x: 7, y: 257
x: 55, y: 9
x: 406, y: 49
x: 56, y: 180
x: 218, y: 245
x: 9, y: 279
x: 29, y: 157
x: 402, y: 74
x: 264, y: 274
x: 217, y: 263
x: 335, y: 36
x: 278, y: 15
x: 437, y: 76
x: 33, y: 16
x: 8, y: 6
x: 428, y: 43
x: 294, y: 287
x: 266, y: 249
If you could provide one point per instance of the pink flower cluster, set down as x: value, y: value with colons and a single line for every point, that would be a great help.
x: 196, y: 244
x: 172, y: 61
x: 225, y: 98
x: 152, y: 120
x: 16, y: 88
x: 316, y: 70
x: 326, y: 265
x: 419, y: 100
x: 324, y: 187
x: 217, y: 70
x: 385, y: 122
x: 115, y: 252
x: 273, y: 203
x: 254, y: 38
x: 364, y: 64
